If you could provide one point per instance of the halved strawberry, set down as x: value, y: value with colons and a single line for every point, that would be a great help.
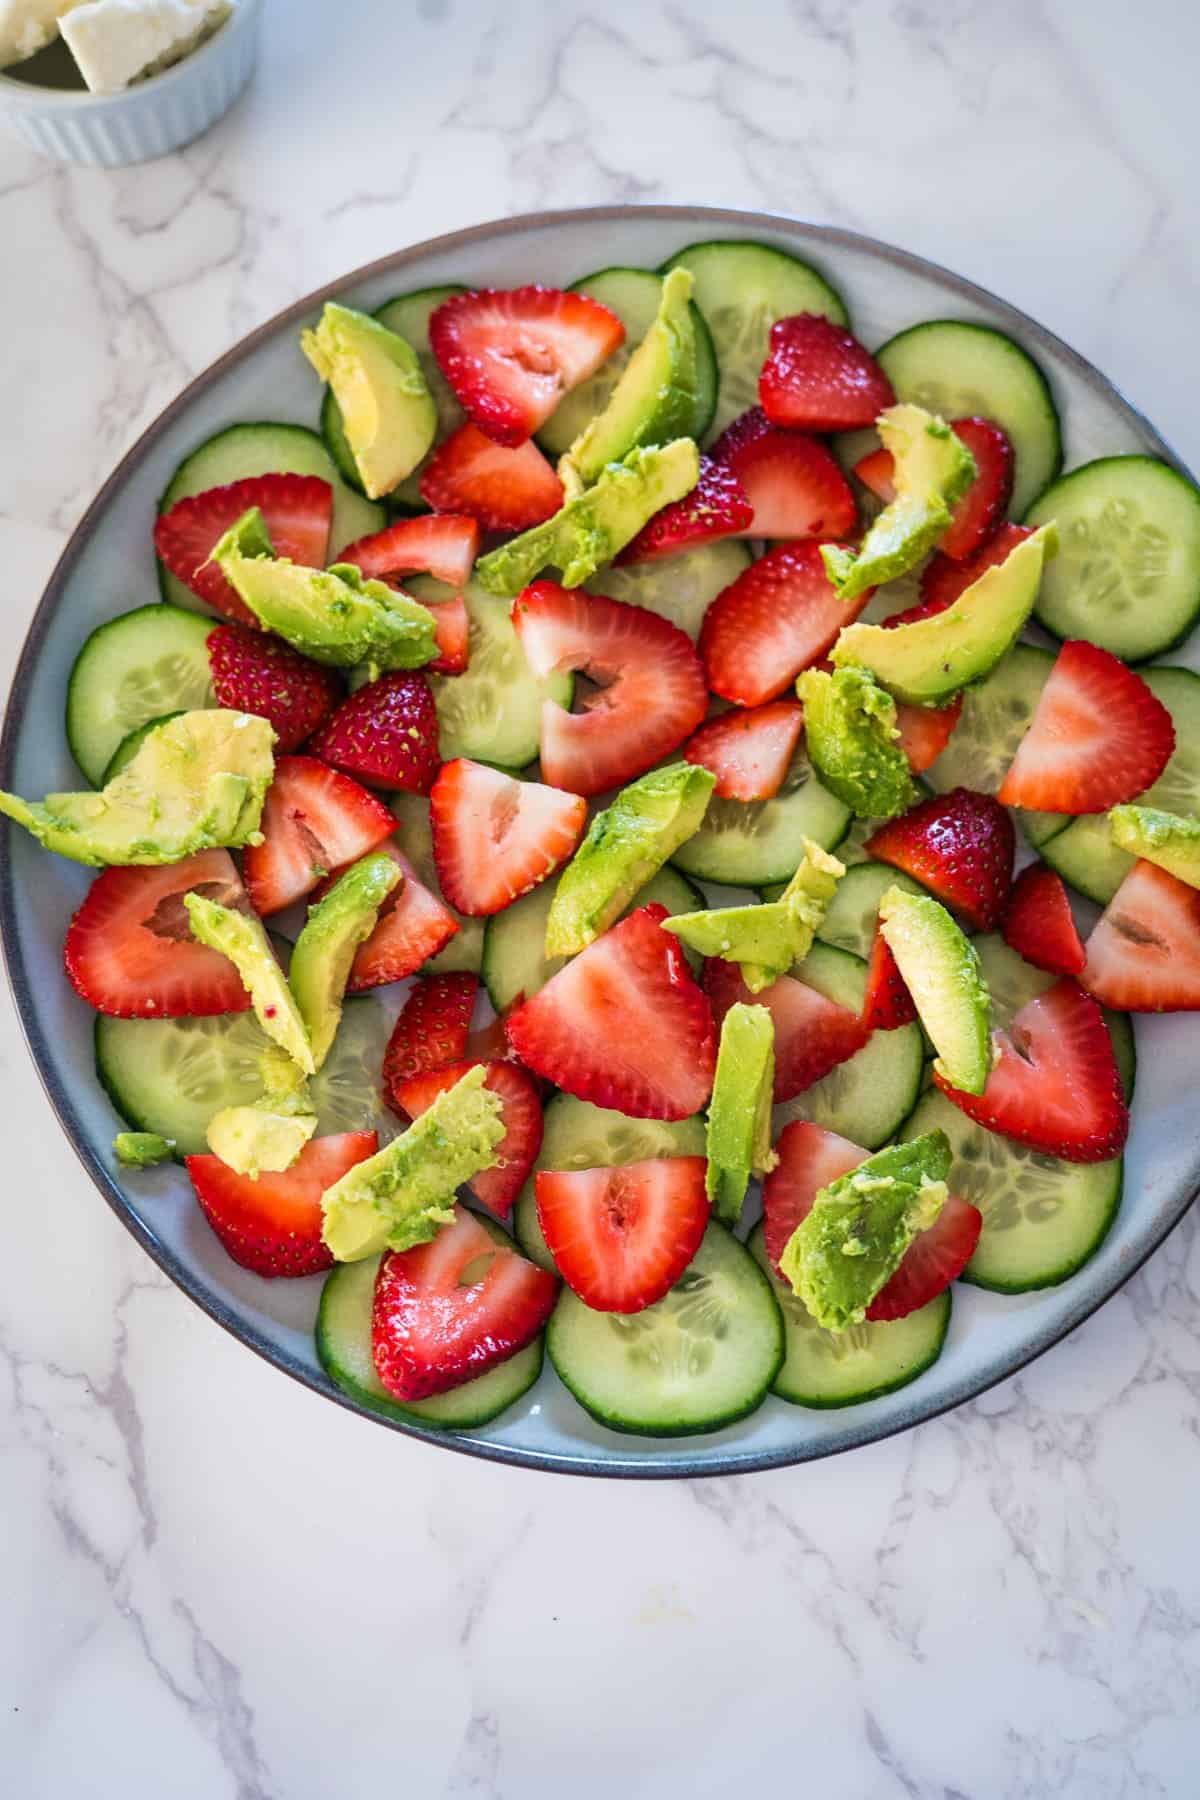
x: 1054, y: 1085
x: 621, y: 1238
x: 887, y: 1003
x: 297, y: 511
x: 925, y: 731
x: 748, y: 750
x: 933, y: 1260
x: 130, y: 952
x: 255, y: 673
x: 432, y: 1029
x: 1144, y: 952
x: 386, y: 734
x: 960, y: 845
x: 521, y: 1110
x: 818, y: 377
x: 272, y: 1223
x: 877, y: 471
x: 623, y: 1025
x: 439, y: 544
x: 812, y: 1034
x: 314, y: 820
x: 977, y: 514
x: 511, y: 354
x: 651, y: 692
x: 943, y: 579
x: 793, y: 483
x: 505, y: 489
x: 495, y: 837
x: 780, y: 616
x: 452, y: 1309
x: 412, y: 926
x: 452, y: 634
x: 1037, y: 922
x: 717, y: 507
x: 1098, y: 736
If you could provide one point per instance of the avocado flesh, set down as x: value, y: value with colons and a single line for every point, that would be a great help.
x: 197, y: 782
x: 853, y: 1240
x: 388, y: 414
x: 243, y: 939
x: 738, y: 1142
x: 1164, y: 838
x: 655, y: 399
x: 942, y: 973
x: 765, y: 940
x: 255, y: 1140
x: 141, y: 1149
x: 625, y: 847
x: 401, y: 1196
x: 596, y: 525
x: 929, y: 661
x: 326, y: 947
x: 852, y: 741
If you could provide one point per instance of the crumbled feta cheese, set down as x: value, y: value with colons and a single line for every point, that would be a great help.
x: 27, y: 26
x: 115, y: 42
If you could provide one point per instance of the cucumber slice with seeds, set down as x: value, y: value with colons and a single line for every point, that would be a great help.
x: 752, y: 843
x: 464, y: 952
x: 995, y: 717
x: 1011, y: 981
x: 679, y: 588
x: 851, y: 915
x: 699, y: 1358
x: 135, y: 669
x: 843, y: 1368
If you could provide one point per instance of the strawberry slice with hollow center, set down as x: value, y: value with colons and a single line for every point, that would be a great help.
x: 1144, y: 952
x: 441, y: 545
x: 297, y: 511
x: 495, y: 838
x: 1038, y: 925
x: 812, y: 1034
x: 412, y: 926
x: 271, y: 1223
x: 818, y: 377
x: 749, y: 750
x: 315, y: 820
x: 432, y: 1030
x: 521, y: 1110
x: 621, y: 1238
x: 781, y: 615
x: 793, y: 483
x: 504, y: 489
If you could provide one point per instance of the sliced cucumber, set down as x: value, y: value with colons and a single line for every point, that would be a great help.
x: 867, y: 1097
x: 633, y: 294
x: 1042, y: 1218
x: 962, y: 371
x: 1127, y: 574
x: 851, y: 915
x: 347, y: 1089
x: 699, y: 1358
x: 843, y: 1368
x: 578, y: 1135
x: 1011, y: 981
x: 742, y: 288
x: 137, y: 667
x: 344, y: 1351
x: 995, y: 717
x: 679, y: 588
x: 464, y: 952
x: 751, y: 843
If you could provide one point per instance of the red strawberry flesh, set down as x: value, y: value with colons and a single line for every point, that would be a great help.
x: 780, y: 616
x: 495, y: 838
x: 792, y: 482
x: 960, y: 845
x: 818, y: 377
x: 271, y: 1223
x: 297, y: 511
x: 1038, y: 924
x: 504, y: 489
x: 439, y: 545
x: 314, y: 820
x: 812, y: 1034
x: 622, y: 1237
x: 1144, y: 952
x: 749, y: 750
x: 432, y: 1029
x: 385, y: 734
x: 256, y: 673
x: 717, y: 507
x: 521, y: 1110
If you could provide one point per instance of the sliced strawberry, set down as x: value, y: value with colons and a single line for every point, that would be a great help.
x: 412, y: 926
x: 495, y: 837
x: 621, y: 1238
x: 877, y: 472
x: 297, y: 511
x: 887, y: 1003
x: 812, y: 1034
x: 255, y: 673
x: 386, y: 734
x: 623, y: 1025
x: 437, y: 544
x: 130, y: 952
x: 1144, y: 952
x: 315, y: 820
x: 985, y: 502
x: 1054, y: 1085
x: 1098, y: 736
x: 818, y: 377
x: 504, y: 489
x: 432, y: 1029
x: 511, y: 354
x: 452, y: 634
x: 651, y: 693
x: 717, y: 507
x: 793, y: 483
x: 452, y: 1309
x: 925, y: 731
x: 749, y: 750
x: 521, y: 1110
x: 959, y: 845
x: 272, y: 1223
x: 1037, y: 922
x: 933, y: 1260
x: 780, y: 616
x: 943, y: 579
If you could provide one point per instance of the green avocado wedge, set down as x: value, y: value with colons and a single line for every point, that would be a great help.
x: 942, y: 972
x: 738, y: 1140
x: 243, y: 939
x: 1164, y: 838
x: 326, y: 947
x: 853, y: 743
x: 765, y: 940
x: 388, y: 415
x: 256, y: 1140
x: 141, y: 1149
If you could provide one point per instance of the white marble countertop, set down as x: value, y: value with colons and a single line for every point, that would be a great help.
x: 216, y: 1585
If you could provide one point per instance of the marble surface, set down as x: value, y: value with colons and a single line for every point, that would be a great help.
x: 218, y: 1587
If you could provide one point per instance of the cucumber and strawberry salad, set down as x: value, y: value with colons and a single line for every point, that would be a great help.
x: 645, y: 934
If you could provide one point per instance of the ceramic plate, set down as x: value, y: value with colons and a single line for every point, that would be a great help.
x: 108, y: 567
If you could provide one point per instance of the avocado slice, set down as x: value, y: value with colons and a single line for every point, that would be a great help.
x: 850, y: 731
x: 765, y: 940
x: 596, y: 525
x: 256, y: 1139
x: 942, y: 973
x: 1165, y: 838
x: 401, y: 1195
x: 388, y: 413
x: 243, y: 939
x: 932, y: 471
x: 854, y: 1239
x: 197, y: 782
x: 738, y: 1143
x: 655, y: 399
x: 626, y: 845
x: 335, y: 615
x: 141, y: 1149
x: 326, y: 947
x: 927, y: 662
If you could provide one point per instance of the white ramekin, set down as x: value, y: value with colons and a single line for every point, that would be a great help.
x: 108, y: 130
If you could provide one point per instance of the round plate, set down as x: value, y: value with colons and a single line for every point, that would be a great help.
x: 108, y: 566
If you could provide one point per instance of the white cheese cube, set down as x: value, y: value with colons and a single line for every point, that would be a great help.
x: 116, y: 41
x: 27, y: 26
